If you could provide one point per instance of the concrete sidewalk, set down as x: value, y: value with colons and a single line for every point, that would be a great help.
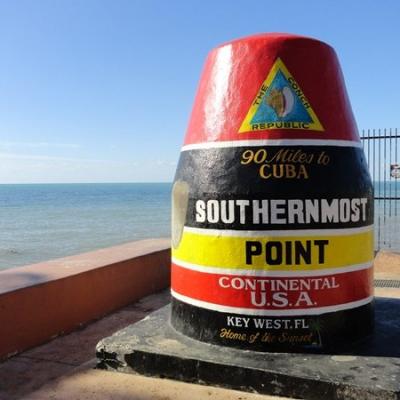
x: 63, y: 368
x: 90, y: 384
x: 30, y: 370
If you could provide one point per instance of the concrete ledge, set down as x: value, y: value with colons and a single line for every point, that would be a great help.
x: 40, y: 301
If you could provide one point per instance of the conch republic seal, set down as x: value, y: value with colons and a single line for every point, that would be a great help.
x: 272, y: 220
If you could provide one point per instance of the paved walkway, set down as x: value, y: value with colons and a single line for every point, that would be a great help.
x: 63, y: 368
x: 30, y: 370
x: 92, y: 384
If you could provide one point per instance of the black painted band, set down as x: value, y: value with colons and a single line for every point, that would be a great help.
x: 326, y: 331
x: 219, y: 170
x: 265, y: 213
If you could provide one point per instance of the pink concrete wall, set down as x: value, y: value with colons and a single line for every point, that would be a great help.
x: 42, y: 300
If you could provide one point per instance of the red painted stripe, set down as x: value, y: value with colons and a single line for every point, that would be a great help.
x: 267, y: 293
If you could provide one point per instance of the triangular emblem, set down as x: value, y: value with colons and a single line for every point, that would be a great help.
x: 280, y: 104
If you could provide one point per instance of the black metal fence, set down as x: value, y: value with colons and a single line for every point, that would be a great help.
x: 382, y: 149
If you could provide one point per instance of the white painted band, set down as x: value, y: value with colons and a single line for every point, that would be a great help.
x: 280, y: 313
x: 267, y: 273
x: 279, y: 233
x: 272, y: 142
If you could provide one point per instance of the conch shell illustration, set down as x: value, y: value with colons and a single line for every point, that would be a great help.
x: 281, y: 101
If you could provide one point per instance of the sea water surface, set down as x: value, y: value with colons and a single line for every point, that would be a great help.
x: 40, y: 222
x: 45, y: 221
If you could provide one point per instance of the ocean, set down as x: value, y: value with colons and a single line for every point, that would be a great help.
x: 44, y: 221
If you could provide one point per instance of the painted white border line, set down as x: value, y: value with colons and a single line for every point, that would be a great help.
x: 280, y: 313
x: 267, y: 273
x: 272, y: 142
x: 278, y: 233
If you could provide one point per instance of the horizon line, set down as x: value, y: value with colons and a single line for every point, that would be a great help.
x: 79, y: 183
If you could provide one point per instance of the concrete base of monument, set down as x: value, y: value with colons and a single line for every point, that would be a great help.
x: 371, y: 370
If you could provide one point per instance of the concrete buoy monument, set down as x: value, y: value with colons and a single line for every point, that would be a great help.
x: 272, y: 220
x: 272, y: 238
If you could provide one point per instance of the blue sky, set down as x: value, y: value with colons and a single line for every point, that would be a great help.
x: 101, y: 91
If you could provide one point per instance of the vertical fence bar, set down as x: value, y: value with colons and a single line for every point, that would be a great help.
x: 378, y: 204
x: 374, y: 182
x: 396, y: 160
x: 396, y: 183
x: 384, y: 184
x: 390, y: 177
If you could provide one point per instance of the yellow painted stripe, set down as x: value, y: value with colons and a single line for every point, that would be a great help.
x: 230, y: 252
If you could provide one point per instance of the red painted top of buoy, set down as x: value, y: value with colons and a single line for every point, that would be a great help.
x: 233, y: 77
